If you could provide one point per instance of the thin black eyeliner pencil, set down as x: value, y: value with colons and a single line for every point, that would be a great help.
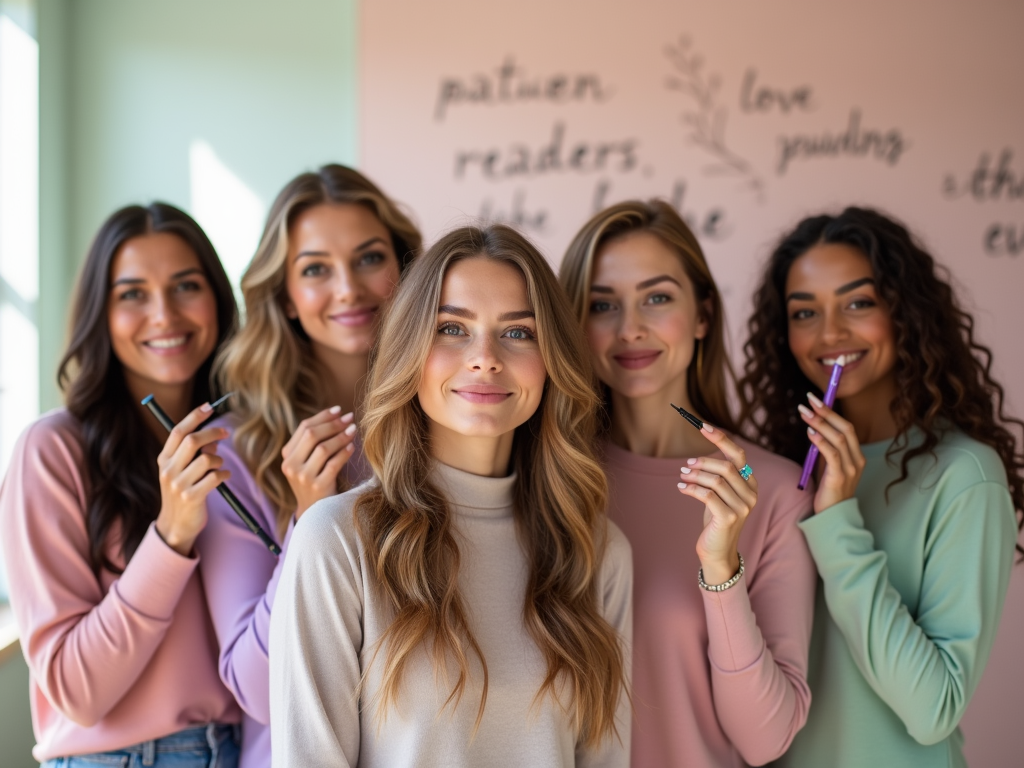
x: 689, y: 416
x: 250, y: 522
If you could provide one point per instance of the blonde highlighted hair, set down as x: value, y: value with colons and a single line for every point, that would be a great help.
x: 406, y: 526
x: 710, y: 373
x: 269, y: 364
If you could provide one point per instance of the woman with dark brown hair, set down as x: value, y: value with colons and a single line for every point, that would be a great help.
x: 914, y: 531
x: 100, y: 510
x: 719, y: 661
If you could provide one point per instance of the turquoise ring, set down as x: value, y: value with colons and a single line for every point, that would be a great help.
x: 746, y: 472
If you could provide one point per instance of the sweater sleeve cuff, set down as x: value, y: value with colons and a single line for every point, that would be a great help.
x: 155, y: 577
x: 824, y: 530
x: 734, y: 640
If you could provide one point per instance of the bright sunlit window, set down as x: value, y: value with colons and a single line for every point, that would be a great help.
x: 19, y: 236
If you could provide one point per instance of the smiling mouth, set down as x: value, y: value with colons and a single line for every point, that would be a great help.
x: 355, y: 317
x: 634, y: 361
x: 485, y: 395
x: 168, y: 344
x: 847, y: 358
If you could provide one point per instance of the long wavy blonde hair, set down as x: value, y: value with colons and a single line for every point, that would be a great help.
x: 270, y: 365
x: 710, y: 375
x: 560, y: 497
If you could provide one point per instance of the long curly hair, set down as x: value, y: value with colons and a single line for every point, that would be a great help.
x: 710, y: 375
x: 124, y: 486
x: 942, y: 374
x: 559, y: 500
x: 270, y: 364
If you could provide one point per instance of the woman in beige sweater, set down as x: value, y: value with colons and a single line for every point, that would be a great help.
x: 471, y: 606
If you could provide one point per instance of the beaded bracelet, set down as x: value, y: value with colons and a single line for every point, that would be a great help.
x: 720, y: 587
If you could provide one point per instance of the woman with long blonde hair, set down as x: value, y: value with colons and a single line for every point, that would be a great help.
x: 332, y: 252
x: 471, y: 606
x: 720, y: 660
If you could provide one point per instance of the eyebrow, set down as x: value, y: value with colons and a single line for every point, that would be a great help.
x: 361, y: 247
x: 140, y: 281
x: 800, y: 296
x: 639, y: 286
x: 449, y: 309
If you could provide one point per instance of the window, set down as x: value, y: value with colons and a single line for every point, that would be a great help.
x: 19, y: 229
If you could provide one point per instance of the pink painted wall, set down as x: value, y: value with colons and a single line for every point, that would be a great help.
x: 536, y: 111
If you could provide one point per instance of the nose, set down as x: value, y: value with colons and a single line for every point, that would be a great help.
x: 347, y: 288
x: 483, y: 355
x: 631, y: 326
x: 163, y: 310
x: 833, y: 329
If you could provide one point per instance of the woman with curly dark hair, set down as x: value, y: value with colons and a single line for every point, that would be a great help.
x: 917, y: 494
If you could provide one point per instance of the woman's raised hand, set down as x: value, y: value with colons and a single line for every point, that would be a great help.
x: 315, y: 454
x: 837, y: 441
x: 189, y: 470
x: 728, y: 500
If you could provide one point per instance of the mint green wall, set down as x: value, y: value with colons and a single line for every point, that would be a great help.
x: 127, y: 86
x: 16, y: 740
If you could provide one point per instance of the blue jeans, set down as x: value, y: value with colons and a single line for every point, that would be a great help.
x: 205, y: 746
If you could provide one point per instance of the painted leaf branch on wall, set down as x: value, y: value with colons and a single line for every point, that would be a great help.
x: 706, y: 118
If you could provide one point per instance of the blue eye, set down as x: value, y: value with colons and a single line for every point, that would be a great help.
x: 450, y: 329
x: 520, y: 334
x: 597, y: 307
x: 659, y: 298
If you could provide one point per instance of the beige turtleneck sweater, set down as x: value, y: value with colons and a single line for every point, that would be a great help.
x: 327, y: 621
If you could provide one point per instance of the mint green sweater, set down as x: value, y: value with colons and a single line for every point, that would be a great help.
x: 910, y: 597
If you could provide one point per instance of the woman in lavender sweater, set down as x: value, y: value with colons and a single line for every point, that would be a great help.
x: 332, y: 252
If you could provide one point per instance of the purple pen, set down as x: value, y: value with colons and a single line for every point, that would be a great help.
x: 829, y: 399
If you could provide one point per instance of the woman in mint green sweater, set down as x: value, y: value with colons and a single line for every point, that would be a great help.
x: 919, y: 494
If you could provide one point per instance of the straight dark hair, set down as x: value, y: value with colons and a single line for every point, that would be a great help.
x: 123, y: 487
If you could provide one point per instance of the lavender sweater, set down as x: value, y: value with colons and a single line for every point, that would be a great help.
x: 240, y: 578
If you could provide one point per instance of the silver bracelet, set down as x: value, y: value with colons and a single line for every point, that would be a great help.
x: 720, y: 587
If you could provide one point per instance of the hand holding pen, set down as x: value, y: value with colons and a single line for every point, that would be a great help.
x: 836, y: 440
x: 728, y: 489
x: 188, y: 472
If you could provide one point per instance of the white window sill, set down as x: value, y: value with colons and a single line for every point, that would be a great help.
x: 9, y: 645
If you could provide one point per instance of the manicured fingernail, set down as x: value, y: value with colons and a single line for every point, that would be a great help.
x: 815, y: 401
x: 681, y: 485
x: 351, y: 430
x: 205, y: 407
x: 685, y: 470
x: 350, y: 447
x: 811, y: 431
x: 708, y: 427
x: 691, y: 462
x: 805, y: 410
x: 335, y: 409
x: 347, y: 417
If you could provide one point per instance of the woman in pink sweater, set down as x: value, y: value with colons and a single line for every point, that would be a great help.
x: 100, y: 510
x: 719, y: 661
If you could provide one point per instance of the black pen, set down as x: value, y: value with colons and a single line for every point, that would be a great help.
x: 689, y: 416
x: 250, y: 522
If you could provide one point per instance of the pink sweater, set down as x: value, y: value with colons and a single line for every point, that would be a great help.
x: 114, y: 660
x: 719, y: 679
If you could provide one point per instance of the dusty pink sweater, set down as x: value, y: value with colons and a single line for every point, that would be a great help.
x: 114, y: 660
x: 719, y: 679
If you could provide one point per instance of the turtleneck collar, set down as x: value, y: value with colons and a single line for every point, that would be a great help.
x: 475, y: 495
